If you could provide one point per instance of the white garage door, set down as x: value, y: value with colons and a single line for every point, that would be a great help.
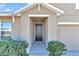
x: 69, y: 34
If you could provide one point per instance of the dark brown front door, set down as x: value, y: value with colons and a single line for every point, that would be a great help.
x: 38, y: 32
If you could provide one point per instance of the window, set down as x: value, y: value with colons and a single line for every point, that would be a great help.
x: 5, y: 29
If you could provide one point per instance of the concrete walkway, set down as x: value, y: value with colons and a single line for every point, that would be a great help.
x: 72, y: 53
x: 38, y: 49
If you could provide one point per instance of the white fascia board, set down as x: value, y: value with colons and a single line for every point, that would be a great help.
x: 6, y: 30
x: 48, y: 6
x: 77, y: 6
x: 39, y: 7
x: 68, y: 23
x: 54, y: 9
x: 9, y: 14
x: 58, y: 14
x: 25, y: 7
x: 38, y: 15
x: 6, y: 14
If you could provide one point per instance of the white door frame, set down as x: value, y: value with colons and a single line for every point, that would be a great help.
x: 39, y: 15
x: 42, y: 30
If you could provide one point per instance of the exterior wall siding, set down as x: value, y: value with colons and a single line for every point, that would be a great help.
x: 16, y: 29
x: 68, y: 18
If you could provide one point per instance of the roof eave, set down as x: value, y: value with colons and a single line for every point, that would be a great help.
x: 54, y: 9
x: 31, y: 5
x: 6, y: 14
x: 18, y: 12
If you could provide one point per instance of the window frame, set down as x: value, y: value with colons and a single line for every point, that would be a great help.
x: 6, y: 30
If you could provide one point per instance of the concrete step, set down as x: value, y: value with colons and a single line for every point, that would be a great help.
x: 38, y: 49
x: 38, y: 54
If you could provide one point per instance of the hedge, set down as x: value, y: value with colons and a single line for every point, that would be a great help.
x: 56, y: 48
x: 11, y: 47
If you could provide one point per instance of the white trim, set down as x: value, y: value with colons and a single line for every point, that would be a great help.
x: 38, y: 7
x: 36, y: 15
x: 13, y: 19
x: 77, y: 6
x: 31, y: 5
x: 68, y: 23
x: 5, y: 14
x: 52, y: 8
x: 8, y: 14
x: 27, y: 7
x: 48, y: 6
x: 6, y: 30
x: 35, y: 31
x: 58, y: 14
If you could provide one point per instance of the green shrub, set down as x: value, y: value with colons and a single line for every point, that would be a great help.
x: 56, y: 48
x: 12, y: 48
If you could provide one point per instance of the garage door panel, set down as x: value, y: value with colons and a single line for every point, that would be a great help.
x: 70, y: 36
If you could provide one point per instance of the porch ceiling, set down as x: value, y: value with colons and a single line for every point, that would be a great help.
x: 38, y: 19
